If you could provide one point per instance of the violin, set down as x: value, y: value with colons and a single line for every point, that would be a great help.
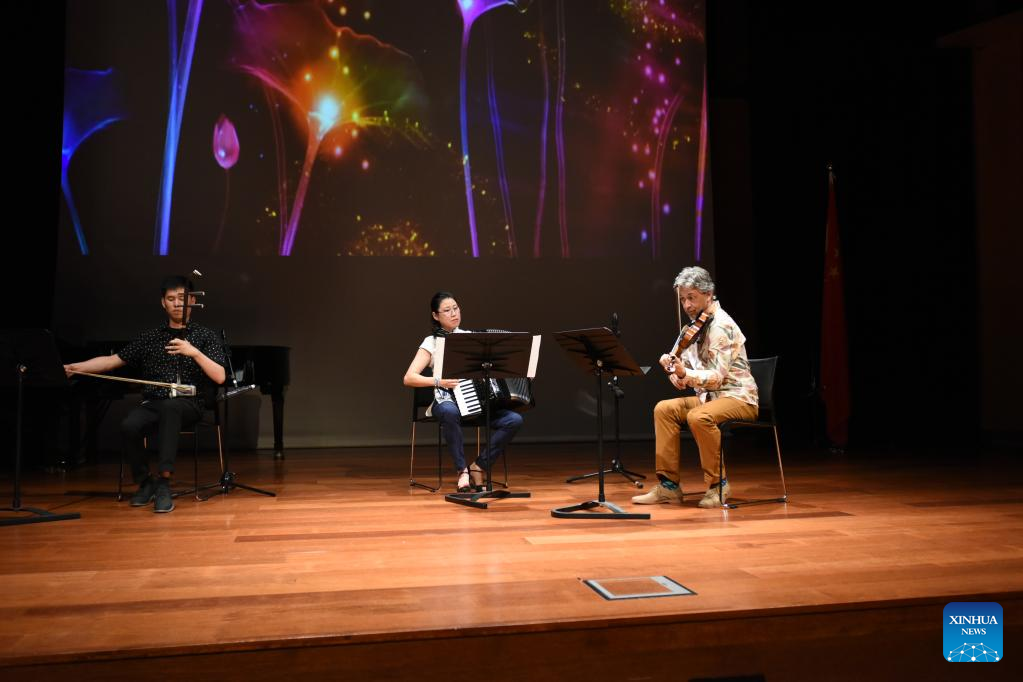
x: 690, y: 335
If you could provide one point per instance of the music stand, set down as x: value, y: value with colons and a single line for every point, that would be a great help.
x: 486, y: 356
x: 616, y: 462
x: 32, y: 355
x: 598, y: 352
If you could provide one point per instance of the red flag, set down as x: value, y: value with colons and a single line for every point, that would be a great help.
x: 834, y: 344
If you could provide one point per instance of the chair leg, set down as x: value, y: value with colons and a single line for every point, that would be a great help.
x: 784, y: 492
x: 195, y: 462
x: 721, y: 474
x: 412, y: 482
x: 120, y: 478
x: 220, y: 450
x: 412, y: 458
x: 505, y: 458
x: 781, y: 470
x: 440, y: 460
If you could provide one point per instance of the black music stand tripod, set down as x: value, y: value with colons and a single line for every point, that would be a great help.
x: 32, y: 354
x: 484, y: 356
x: 228, y: 480
x: 597, y: 352
x: 616, y: 462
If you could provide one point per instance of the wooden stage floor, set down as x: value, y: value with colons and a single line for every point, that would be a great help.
x: 350, y: 574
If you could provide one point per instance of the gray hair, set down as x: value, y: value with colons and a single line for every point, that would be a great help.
x: 695, y: 277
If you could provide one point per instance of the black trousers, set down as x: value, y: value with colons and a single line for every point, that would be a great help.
x: 167, y: 418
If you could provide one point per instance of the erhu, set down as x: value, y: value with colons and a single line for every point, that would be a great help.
x: 182, y: 333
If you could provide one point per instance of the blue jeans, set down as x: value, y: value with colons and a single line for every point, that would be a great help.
x: 503, y: 425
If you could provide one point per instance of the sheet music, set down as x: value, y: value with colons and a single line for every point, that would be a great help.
x: 438, y: 358
x: 534, y: 357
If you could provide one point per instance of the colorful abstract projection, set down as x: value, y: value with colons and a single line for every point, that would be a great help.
x: 180, y: 68
x: 660, y: 30
x: 472, y: 10
x: 91, y: 103
x: 337, y: 82
x: 225, y: 152
x: 660, y: 33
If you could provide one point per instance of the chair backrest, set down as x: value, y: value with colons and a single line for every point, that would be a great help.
x: 763, y: 370
x: 217, y: 403
x: 210, y: 393
x: 422, y: 396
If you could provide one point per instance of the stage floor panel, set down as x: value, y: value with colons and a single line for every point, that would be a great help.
x: 348, y: 554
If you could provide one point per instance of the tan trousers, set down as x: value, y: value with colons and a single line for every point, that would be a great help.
x: 703, y: 420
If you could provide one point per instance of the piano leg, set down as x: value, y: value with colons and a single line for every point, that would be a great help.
x: 76, y: 452
x: 95, y: 411
x: 278, y: 407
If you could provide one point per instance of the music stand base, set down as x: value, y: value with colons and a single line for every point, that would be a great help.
x: 582, y: 511
x: 39, y: 516
x: 473, y: 499
x: 745, y: 503
x: 413, y: 483
x: 228, y: 483
x: 194, y: 491
x: 616, y: 468
x: 92, y: 493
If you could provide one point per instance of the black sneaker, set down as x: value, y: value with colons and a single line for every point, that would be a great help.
x: 164, y: 502
x: 144, y: 495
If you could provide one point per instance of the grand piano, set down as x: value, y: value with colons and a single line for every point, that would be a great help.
x: 267, y: 367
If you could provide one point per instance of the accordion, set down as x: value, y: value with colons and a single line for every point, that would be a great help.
x: 514, y: 394
x: 508, y: 394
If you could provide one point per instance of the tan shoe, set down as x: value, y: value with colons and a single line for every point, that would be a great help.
x: 478, y: 476
x: 712, y: 499
x: 659, y: 495
x: 464, y: 485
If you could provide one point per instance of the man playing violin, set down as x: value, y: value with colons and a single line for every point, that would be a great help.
x: 178, y: 352
x: 710, y: 358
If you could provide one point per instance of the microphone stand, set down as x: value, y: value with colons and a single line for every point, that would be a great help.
x: 228, y: 479
x: 616, y: 462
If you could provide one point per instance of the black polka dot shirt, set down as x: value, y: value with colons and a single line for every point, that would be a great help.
x: 147, y: 354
